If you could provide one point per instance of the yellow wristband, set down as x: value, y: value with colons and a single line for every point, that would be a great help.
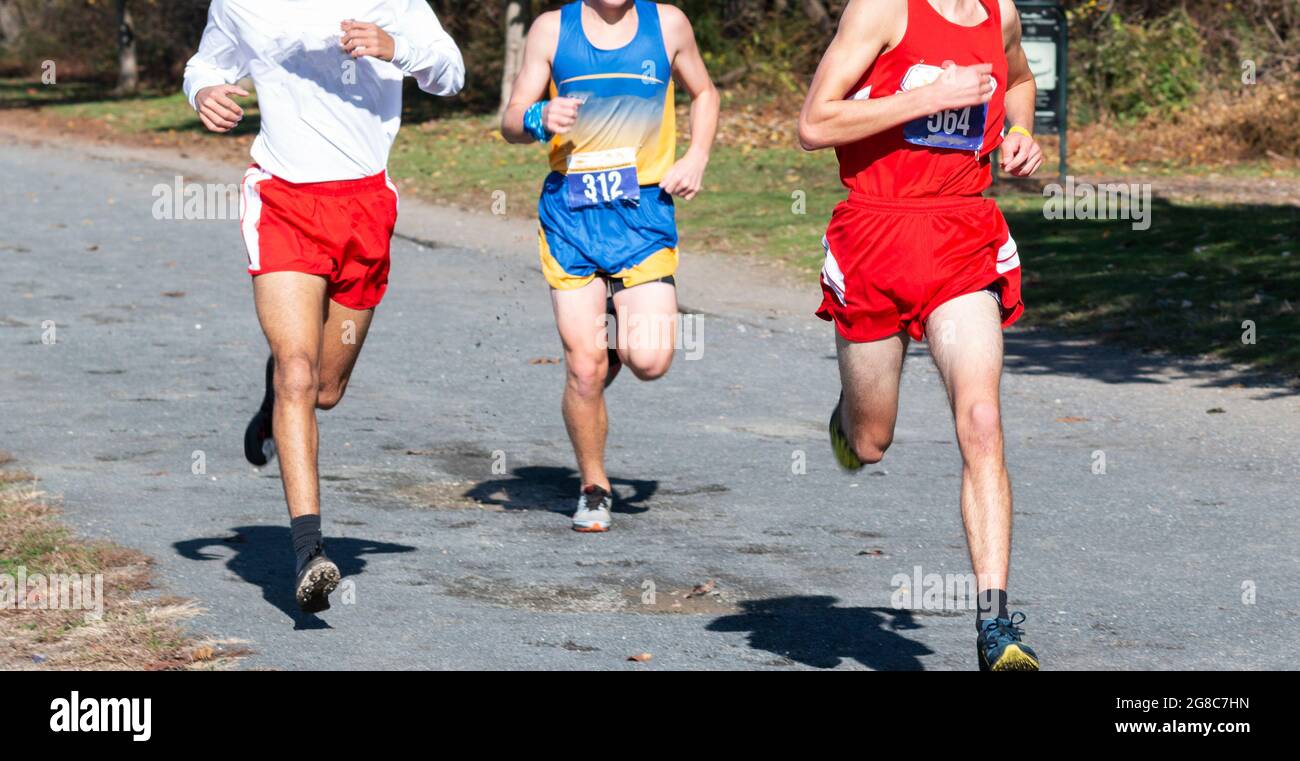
x: 1021, y: 130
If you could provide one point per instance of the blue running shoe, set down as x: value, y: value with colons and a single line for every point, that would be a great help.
x: 1000, y: 646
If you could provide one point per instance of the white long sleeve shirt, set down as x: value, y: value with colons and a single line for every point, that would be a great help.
x: 325, y: 116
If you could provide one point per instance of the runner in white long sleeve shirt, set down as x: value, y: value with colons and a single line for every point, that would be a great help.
x: 329, y: 112
x: 318, y: 209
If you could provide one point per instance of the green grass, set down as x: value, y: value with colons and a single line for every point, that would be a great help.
x: 748, y: 203
x: 27, y: 552
x: 19, y: 93
x: 1186, y: 285
x: 153, y: 113
x: 148, y: 112
x: 29, y: 538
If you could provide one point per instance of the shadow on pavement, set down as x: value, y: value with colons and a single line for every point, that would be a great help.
x: 812, y: 631
x: 1204, y: 292
x: 263, y: 556
x: 541, y: 487
x: 1041, y: 352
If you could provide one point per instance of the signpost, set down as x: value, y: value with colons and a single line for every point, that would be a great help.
x: 1045, y: 37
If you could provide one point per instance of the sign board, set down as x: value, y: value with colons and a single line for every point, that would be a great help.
x: 1045, y: 38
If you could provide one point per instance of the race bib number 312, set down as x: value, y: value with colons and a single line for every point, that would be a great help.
x: 959, y: 129
x: 596, y: 178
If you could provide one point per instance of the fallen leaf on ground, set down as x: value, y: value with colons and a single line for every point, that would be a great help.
x: 544, y: 361
x: 702, y: 589
x: 641, y: 657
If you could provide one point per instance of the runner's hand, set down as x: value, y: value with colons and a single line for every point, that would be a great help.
x: 364, y: 39
x: 684, y: 178
x: 217, y: 110
x: 560, y: 115
x: 962, y: 86
x: 1021, y: 156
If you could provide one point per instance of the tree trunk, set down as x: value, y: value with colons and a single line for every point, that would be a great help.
x: 815, y: 10
x: 514, y: 50
x: 11, y: 22
x: 128, y: 76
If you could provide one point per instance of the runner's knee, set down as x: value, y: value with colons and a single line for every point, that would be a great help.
x: 329, y: 395
x: 587, y: 373
x: 979, y: 429
x: 870, y: 445
x: 649, y: 366
x: 295, y: 378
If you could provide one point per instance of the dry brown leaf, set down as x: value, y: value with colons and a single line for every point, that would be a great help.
x: 641, y: 657
x: 702, y: 589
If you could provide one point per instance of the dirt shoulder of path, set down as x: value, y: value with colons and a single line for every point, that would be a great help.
x: 69, y: 603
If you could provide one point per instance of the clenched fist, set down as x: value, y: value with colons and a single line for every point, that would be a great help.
x: 217, y: 110
x: 364, y: 39
x: 685, y: 178
x: 1021, y: 155
x: 560, y: 115
x: 962, y: 86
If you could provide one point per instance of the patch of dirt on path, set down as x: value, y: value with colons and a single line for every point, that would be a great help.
x: 603, y: 595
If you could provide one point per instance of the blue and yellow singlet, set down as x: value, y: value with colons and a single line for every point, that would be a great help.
x: 601, y: 209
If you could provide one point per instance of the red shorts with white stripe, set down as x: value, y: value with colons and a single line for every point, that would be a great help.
x: 891, y: 263
x: 338, y: 230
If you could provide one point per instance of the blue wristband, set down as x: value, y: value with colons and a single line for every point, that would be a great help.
x: 533, y: 121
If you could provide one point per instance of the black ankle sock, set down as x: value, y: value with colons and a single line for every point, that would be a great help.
x: 305, y: 530
x: 992, y: 604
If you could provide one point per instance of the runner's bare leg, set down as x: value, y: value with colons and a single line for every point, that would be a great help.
x: 580, y: 318
x: 870, y: 373
x: 965, y: 337
x: 647, y: 326
x: 341, y: 340
x: 291, y: 308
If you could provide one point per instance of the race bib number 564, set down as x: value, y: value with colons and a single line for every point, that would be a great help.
x: 960, y: 129
x: 595, y: 178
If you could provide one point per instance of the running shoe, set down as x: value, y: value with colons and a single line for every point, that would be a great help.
x: 316, y: 579
x: 259, y: 446
x: 844, y: 454
x: 1001, y: 647
x: 593, y: 514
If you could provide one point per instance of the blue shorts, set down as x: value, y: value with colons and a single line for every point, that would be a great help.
x: 633, y: 241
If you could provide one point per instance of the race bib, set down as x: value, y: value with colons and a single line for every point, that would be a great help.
x: 959, y: 129
x: 596, y: 178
